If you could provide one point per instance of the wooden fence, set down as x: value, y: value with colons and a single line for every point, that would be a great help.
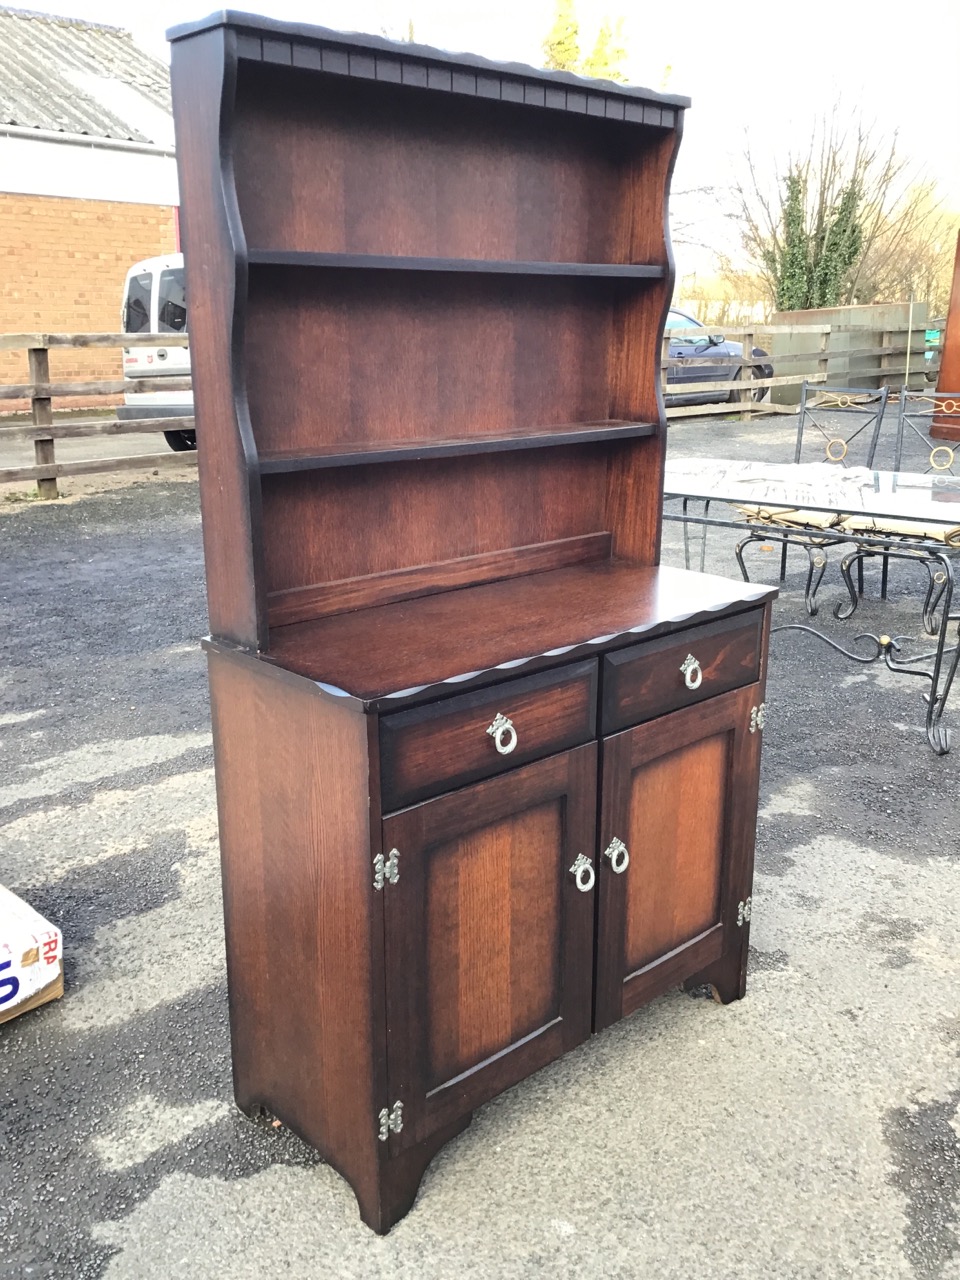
x: 884, y: 362
x: 41, y: 392
x: 812, y: 364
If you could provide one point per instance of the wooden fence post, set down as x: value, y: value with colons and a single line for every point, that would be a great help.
x: 888, y: 362
x: 745, y: 394
x: 42, y: 411
x: 823, y: 364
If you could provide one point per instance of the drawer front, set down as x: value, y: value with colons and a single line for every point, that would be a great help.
x: 447, y: 744
x: 650, y: 679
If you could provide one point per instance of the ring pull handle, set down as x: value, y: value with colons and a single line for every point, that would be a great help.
x: 692, y: 672
x: 503, y: 733
x: 583, y: 873
x: 618, y: 854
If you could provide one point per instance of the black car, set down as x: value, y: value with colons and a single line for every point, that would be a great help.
x: 713, y: 345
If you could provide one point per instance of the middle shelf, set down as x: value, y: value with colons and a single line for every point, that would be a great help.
x: 456, y: 266
x: 278, y: 461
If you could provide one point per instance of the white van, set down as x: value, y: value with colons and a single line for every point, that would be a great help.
x: 154, y: 301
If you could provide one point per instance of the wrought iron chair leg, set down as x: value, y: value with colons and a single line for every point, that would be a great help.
x: 686, y: 535
x: 703, y: 535
x: 860, y: 576
x: 936, y: 699
x: 844, y: 609
x: 783, y: 560
x: 817, y: 557
x: 884, y: 576
x: 738, y: 552
x: 933, y: 597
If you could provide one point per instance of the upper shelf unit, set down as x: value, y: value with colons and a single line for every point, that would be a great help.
x: 439, y: 362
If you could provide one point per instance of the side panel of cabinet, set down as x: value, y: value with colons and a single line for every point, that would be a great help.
x: 489, y: 941
x: 680, y: 793
x: 303, y: 930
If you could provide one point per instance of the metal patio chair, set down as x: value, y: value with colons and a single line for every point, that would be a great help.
x: 852, y: 443
x: 916, y: 411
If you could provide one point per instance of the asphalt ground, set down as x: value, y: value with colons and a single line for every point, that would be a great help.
x: 810, y: 1130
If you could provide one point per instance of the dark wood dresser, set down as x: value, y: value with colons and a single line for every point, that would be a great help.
x: 486, y: 772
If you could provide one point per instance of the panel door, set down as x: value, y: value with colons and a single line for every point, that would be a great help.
x: 680, y: 795
x: 489, y: 937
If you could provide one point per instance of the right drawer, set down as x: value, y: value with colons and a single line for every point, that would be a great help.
x: 648, y: 680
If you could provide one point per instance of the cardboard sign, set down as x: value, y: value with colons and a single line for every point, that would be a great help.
x: 31, y: 957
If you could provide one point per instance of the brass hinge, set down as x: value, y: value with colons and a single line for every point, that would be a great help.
x: 386, y: 868
x: 744, y: 911
x: 758, y: 717
x: 391, y: 1121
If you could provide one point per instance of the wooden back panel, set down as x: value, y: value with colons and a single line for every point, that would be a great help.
x: 325, y: 526
x: 330, y: 165
x: 348, y: 356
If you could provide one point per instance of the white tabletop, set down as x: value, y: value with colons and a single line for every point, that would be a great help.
x: 820, y: 486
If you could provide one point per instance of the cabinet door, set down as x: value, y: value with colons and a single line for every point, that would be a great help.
x: 489, y: 939
x: 680, y: 793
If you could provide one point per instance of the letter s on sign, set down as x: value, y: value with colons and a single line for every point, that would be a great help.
x: 8, y: 986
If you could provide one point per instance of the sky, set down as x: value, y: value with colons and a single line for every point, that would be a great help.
x: 763, y: 77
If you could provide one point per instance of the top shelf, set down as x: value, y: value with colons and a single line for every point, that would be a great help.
x: 454, y: 266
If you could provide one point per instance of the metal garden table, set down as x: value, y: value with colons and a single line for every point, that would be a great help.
x: 887, y: 514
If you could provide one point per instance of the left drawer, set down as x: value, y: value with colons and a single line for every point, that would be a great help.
x: 447, y: 744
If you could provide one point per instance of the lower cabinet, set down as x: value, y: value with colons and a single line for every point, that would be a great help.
x: 517, y: 923
x: 426, y: 906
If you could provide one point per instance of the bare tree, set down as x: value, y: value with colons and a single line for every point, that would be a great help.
x: 833, y: 224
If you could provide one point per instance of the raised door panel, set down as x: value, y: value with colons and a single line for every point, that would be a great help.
x: 489, y: 941
x: 679, y: 793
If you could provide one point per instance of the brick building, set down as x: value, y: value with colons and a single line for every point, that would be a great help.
x: 88, y: 180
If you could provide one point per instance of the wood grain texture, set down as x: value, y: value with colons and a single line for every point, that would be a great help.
x: 675, y: 836
x: 413, y: 647
x: 681, y: 787
x: 635, y: 480
x: 646, y: 681
x: 368, y: 452
x: 475, y: 180
x: 331, y: 526
x: 493, y: 919
x: 298, y: 604
x: 445, y: 744
x: 727, y: 974
x: 489, y: 943
x: 308, y: 261
x: 203, y: 83
x: 303, y: 928
x: 393, y: 356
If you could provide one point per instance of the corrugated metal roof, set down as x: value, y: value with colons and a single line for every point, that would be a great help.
x: 76, y: 77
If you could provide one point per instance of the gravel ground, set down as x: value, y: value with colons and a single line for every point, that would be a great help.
x: 811, y: 1130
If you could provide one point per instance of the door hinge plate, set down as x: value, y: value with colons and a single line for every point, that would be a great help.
x: 744, y: 912
x: 386, y: 868
x: 391, y: 1121
x: 758, y: 717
